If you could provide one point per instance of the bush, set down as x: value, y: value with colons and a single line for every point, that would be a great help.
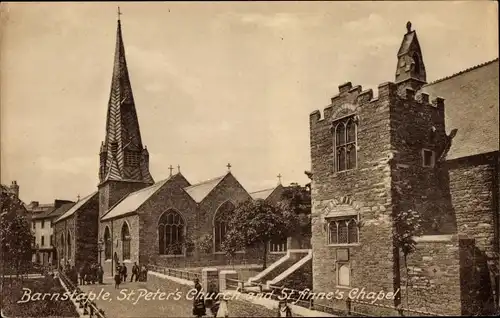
x: 37, y: 308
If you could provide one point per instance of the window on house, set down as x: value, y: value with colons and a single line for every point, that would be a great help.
x: 43, y: 241
x: 107, y: 244
x: 51, y: 240
x: 278, y: 245
x: 171, y: 229
x: 343, y: 231
x: 428, y: 158
x: 43, y: 224
x: 343, y: 274
x: 221, y: 225
x: 125, y: 241
x: 345, y: 140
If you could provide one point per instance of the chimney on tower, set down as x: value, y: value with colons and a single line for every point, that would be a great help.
x: 14, y: 188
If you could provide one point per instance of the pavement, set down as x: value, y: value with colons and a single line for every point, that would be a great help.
x: 135, y: 299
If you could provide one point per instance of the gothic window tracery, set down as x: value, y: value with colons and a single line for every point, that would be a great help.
x: 132, y: 158
x: 343, y: 231
x: 345, y: 144
x: 171, y: 229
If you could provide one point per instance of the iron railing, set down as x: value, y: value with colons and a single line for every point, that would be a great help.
x: 175, y: 272
x: 89, y: 307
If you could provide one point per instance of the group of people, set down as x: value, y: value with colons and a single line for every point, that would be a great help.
x: 90, y: 274
x: 139, y: 273
x: 218, y: 306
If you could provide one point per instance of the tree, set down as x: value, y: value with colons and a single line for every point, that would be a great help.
x: 15, y: 233
x: 408, y: 224
x: 295, y: 205
x: 254, y: 224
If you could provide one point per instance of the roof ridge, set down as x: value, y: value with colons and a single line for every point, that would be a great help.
x: 206, y: 181
x: 263, y: 190
x: 463, y: 71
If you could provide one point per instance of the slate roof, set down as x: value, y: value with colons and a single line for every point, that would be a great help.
x: 262, y: 194
x: 133, y: 201
x: 471, y: 106
x: 200, y: 190
x: 406, y: 43
x: 76, y: 207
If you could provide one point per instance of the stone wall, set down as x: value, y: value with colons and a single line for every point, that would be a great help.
x: 86, y: 229
x: 301, y: 279
x: 474, y: 193
x: 365, y: 190
x: 115, y: 228
x: 433, y: 276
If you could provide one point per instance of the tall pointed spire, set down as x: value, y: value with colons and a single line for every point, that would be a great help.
x: 122, y: 154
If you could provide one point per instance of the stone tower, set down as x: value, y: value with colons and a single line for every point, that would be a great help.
x: 124, y: 162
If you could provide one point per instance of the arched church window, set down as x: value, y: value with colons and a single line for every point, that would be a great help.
x: 221, y: 224
x: 69, y: 244
x: 171, y: 233
x: 345, y: 140
x: 107, y: 244
x: 125, y: 241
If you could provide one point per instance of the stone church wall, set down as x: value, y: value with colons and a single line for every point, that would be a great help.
x: 86, y: 230
x: 368, y: 188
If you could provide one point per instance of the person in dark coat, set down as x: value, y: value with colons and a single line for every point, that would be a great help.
x: 135, y: 272
x: 199, y: 309
x: 124, y: 272
x: 118, y: 277
x: 82, y: 275
x: 100, y: 274
x: 283, y: 309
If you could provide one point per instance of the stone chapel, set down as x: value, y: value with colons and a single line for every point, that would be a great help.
x: 421, y: 150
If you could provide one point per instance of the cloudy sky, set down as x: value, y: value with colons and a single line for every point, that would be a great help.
x: 213, y: 82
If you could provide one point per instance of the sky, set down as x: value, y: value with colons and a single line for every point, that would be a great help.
x: 214, y: 83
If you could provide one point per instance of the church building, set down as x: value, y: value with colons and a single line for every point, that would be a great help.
x: 420, y: 160
x: 131, y: 218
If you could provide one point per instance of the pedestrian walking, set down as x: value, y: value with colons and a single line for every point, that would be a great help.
x: 82, y: 275
x: 135, y: 272
x: 100, y: 274
x: 199, y: 309
x: 223, y: 311
x: 118, y: 277
x: 124, y: 273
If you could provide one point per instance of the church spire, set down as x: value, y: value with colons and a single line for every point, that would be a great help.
x: 122, y: 155
x: 410, y: 70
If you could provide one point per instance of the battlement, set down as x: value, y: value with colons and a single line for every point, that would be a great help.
x: 354, y: 96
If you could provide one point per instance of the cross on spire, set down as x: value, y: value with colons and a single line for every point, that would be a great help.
x: 170, y: 168
x: 179, y: 168
x: 228, y: 167
x: 279, y: 178
x: 77, y: 198
x: 119, y: 13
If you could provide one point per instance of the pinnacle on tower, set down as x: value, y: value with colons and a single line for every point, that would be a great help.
x: 410, y: 68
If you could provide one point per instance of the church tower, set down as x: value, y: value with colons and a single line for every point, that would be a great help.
x: 410, y: 71
x: 124, y: 162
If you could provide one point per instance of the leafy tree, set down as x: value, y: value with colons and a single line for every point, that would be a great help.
x: 254, y: 224
x: 205, y: 243
x: 15, y: 233
x: 295, y: 205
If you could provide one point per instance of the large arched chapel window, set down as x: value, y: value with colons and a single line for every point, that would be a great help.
x: 125, y: 241
x: 221, y: 224
x: 107, y: 244
x: 68, y: 238
x: 345, y: 142
x: 171, y: 228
